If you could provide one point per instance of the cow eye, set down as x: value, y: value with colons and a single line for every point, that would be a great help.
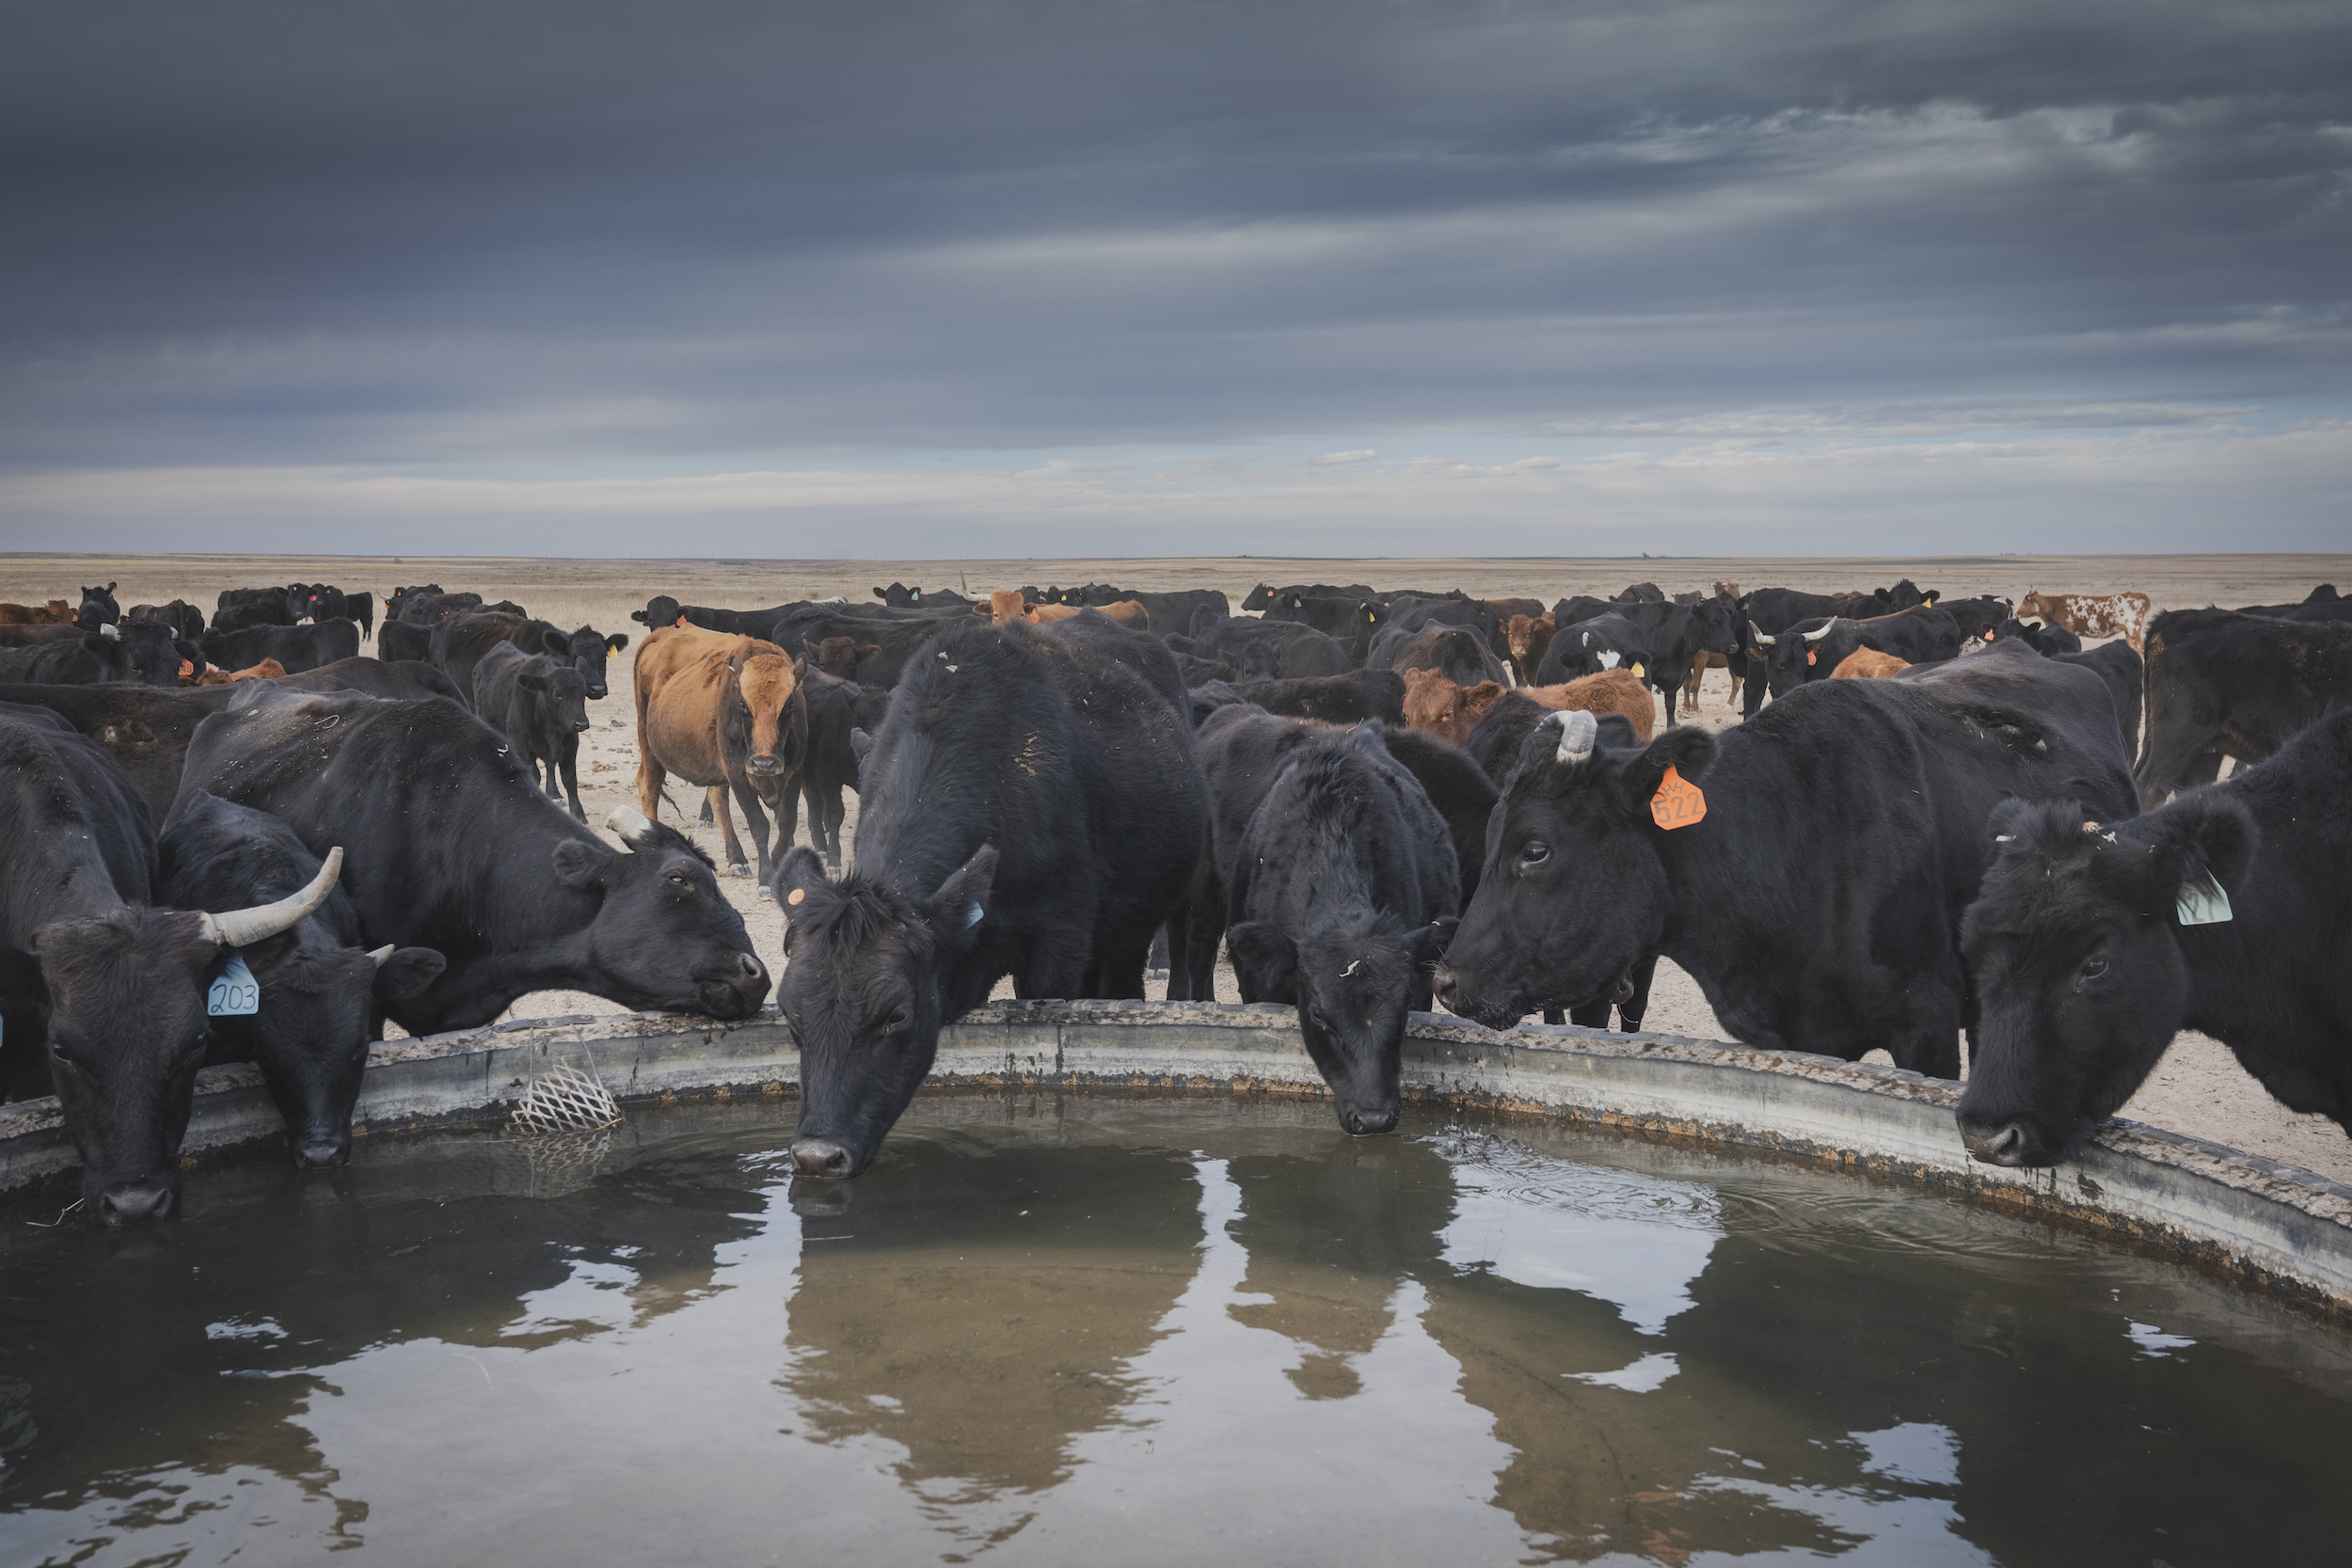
x: 2094, y: 968
x: 898, y: 1019
x: 680, y: 878
x: 1535, y: 852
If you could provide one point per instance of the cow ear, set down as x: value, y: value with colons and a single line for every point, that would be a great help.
x: 22, y: 992
x: 871, y: 650
x: 800, y: 873
x: 617, y: 642
x: 2199, y: 836
x: 1267, y: 953
x: 556, y: 643
x: 1685, y: 749
x: 962, y: 901
x: 1427, y: 944
x: 532, y: 680
x: 406, y: 971
x: 579, y: 864
x: 800, y: 668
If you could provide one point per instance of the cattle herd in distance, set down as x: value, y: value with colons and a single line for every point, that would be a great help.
x: 1936, y: 818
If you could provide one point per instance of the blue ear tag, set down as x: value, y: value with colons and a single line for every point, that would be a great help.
x: 972, y: 916
x: 2204, y: 902
x: 235, y: 994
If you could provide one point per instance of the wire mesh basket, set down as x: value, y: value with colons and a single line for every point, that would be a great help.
x: 562, y: 1098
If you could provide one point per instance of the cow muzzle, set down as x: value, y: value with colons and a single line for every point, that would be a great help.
x: 2004, y: 1144
x: 764, y: 767
x: 135, y: 1202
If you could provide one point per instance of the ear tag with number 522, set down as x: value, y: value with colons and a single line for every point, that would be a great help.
x: 1677, y: 802
x: 2204, y: 902
x: 235, y: 993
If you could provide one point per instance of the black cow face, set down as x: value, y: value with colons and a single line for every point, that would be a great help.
x: 2072, y: 947
x: 1573, y: 893
x: 588, y: 649
x: 663, y: 937
x: 124, y: 993
x: 1793, y: 657
x: 97, y: 609
x: 1351, y: 989
x: 310, y: 1038
x: 562, y: 695
x: 863, y: 993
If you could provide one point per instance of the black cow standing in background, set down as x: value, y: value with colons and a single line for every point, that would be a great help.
x: 102, y: 993
x: 2222, y: 684
x: 453, y: 846
x: 321, y: 988
x: 540, y: 705
x: 1032, y: 807
x: 298, y: 649
x: 2094, y: 942
x: 97, y: 609
x: 1818, y: 900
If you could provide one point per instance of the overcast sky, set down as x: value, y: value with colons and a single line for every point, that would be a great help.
x: 892, y: 276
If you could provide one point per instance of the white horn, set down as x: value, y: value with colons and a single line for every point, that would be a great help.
x: 239, y: 928
x: 628, y: 822
x: 1576, y: 729
x: 1816, y: 636
x: 110, y: 632
x: 380, y: 954
x: 1758, y: 632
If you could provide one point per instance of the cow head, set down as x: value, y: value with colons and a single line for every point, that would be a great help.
x: 1527, y: 636
x: 1792, y: 658
x: 1352, y: 981
x: 2072, y: 947
x: 1436, y: 704
x: 767, y: 714
x: 663, y: 937
x: 1004, y: 607
x: 562, y: 694
x: 1574, y: 891
x: 660, y: 611
x: 588, y: 649
x: 863, y: 991
x: 97, y: 609
x: 123, y: 995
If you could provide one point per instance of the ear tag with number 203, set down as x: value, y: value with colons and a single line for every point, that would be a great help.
x: 1678, y: 804
x: 235, y: 994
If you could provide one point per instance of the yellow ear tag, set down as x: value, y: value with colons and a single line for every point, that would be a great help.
x: 796, y: 895
x: 1677, y: 802
x: 1637, y: 670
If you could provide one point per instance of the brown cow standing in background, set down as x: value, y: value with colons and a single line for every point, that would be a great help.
x: 1868, y: 664
x: 56, y: 614
x: 725, y: 712
x: 2123, y: 616
x: 268, y: 670
x: 1435, y: 705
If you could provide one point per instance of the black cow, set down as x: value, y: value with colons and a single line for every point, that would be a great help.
x: 1641, y: 593
x: 2321, y: 604
x: 2040, y: 638
x: 1263, y: 596
x: 420, y: 608
x: 102, y: 994
x: 361, y: 606
x: 1600, y: 642
x: 319, y: 601
x: 1272, y: 650
x: 664, y: 611
x: 1349, y: 622
x: 899, y: 596
x: 145, y: 731
x: 1457, y: 788
x: 400, y: 680
x: 588, y: 650
x: 1031, y: 807
x: 320, y: 986
x: 232, y: 598
x: 1675, y: 635
x: 77, y: 658
x: 1346, y: 699
x: 453, y: 846
x: 2125, y: 676
x: 1811, y: 651
x: 298, y: 649
x: 97, y: 609
x: 1772, y: 611
x: 897, y: 639
x: 185, y: 621
x: 831, y: 764
x: 2223, y: 684
x: 2094, y: 942
x: 1979, y: 615
x: 261, y: 613
x: 540, y: 705
x: 401, y: 641
x: 1340, y: 896
x: 1495, y: 741
x: 460, y: 643
x: 1457, y: 653
x: 396, y: 603
x: 1818, y: 900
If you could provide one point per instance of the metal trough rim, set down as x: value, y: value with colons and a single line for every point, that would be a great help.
x: 2270, y: 1227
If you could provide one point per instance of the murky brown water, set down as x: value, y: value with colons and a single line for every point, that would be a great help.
x: 1093, y: 1331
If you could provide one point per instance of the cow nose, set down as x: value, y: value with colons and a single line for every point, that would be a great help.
x: 317, y: 1152
x: 132, y: 1202
x: 1444, y: 979
x: 749, y: 968
x: 763, y: 765
x: 1996, y: 1146
x: 821, y: 1157
x: 580, y: 724
x: 1364, y: 1120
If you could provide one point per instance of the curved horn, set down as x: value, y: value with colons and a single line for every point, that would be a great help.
x: 628, y: 822
x: 1577, y: 729
x: 1816, y: 636
x: 1758, y: 632
x: 239, y: 928
x: 380, y: 954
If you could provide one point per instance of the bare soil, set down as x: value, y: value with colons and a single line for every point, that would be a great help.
x: 2199, y: 1088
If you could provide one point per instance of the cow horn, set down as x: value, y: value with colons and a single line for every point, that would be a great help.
x: 110, y: 632
x: 240, y: 927
x: 628, y: 822
x: 1758, y: 632
x: 1816, y: 636
x: 380, y: 954
x: 1577, y: 729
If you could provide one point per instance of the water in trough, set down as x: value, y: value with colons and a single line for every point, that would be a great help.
x: 1100, y: 1330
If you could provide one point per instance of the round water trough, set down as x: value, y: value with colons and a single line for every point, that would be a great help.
x: 2268, y: 1225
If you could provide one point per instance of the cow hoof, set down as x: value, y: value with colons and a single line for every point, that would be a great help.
x: 763, y: 893
x: 738, y: 868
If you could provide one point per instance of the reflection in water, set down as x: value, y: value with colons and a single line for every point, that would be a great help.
x: 1078, y: 1331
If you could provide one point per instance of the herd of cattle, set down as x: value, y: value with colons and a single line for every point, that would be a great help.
x: 1936, y: 816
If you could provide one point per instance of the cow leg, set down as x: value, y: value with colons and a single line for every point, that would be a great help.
x: 1176, y: 935
x: 651, y: 777
x: 706, y: 818
x: 1593, y: 1015
x: 1629, y: 1011
x: 747, y: 797
x: 1205, y: 928
x: 1751, y: 700
x: 567, y: 755
x: 1053, y: 968
x: 715, y: 798
x: 1554, y: 1015
x: 786, y: 805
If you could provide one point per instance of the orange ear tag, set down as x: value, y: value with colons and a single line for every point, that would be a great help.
x: 1677, y: 802
x: 1808, y: 656
x: 797, y: 896
x: 681, y: 619
x: 1988, y: 637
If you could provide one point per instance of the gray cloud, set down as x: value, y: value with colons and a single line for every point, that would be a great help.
x: 266, y: 236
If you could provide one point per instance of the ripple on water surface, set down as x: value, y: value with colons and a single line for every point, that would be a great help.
x: 1095, y: 1330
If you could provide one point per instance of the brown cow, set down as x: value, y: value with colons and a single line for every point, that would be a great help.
x: 2123, y: 616
x: 1868, y: 664
x: 268, y: 670
x: 56, y: 614
x: 1006, y: 605
x: 725, y: 712
x: 1528, y: 636
x: 840, y: 656
x: 1438, y: 706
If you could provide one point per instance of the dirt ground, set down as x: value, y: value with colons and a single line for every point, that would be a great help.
x: 2199, y: 1088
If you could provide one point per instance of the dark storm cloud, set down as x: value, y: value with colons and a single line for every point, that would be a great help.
x: 283, y: 234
